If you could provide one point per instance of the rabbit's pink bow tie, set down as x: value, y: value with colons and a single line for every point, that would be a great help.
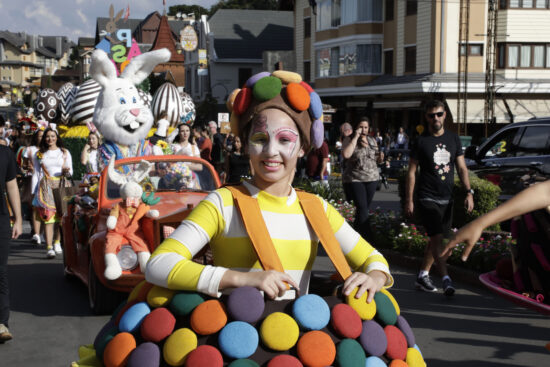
x: 133, y: 202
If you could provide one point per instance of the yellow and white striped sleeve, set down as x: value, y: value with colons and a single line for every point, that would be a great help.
x: 170, y: 264
x: 360, y: 254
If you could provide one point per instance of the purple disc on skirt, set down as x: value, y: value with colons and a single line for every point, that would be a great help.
x: 405, y: 328
x: 145, y: 355
x: 373, y: 338
x: 246, y: 304
x: 254, y: 78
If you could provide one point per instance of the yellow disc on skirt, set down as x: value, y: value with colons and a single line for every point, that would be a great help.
x: 414, y: 358
x: 279, y: 331
x: 287, y: 77
x: 178, y: 345
x: 159, y: 296
x: 365, y: 310
x: 390, y: 296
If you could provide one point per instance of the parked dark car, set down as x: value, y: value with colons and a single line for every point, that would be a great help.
x: 516, y: 150
x: 395, y: 161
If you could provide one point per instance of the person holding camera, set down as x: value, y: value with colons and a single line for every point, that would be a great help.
x: 361, y: 175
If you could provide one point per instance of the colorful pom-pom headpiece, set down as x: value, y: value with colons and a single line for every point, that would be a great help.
x: 283, y: 90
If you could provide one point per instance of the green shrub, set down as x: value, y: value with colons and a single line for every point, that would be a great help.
x: 485, y: 199
x: 333, y: 192
x: 75, y: 146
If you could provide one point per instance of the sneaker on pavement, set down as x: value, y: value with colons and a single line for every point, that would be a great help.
x: 50, y: 254
x: 5, y: 334
x: 425, y: 284
x: 448, y: 288
x: 36, y: 239
x: 57, y: 248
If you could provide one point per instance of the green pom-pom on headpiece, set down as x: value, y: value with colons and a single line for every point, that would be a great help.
x: 267, y: 88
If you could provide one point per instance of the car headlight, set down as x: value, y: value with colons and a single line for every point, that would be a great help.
x: 127, y: 258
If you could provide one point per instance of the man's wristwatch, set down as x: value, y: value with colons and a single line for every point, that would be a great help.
x: 470, y: 191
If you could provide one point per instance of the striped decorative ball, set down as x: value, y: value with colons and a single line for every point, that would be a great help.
x: 63, y: 94
x: 167, y: 99
x: 82, y: 109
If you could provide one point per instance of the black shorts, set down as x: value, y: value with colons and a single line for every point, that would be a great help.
x: 436, y: 218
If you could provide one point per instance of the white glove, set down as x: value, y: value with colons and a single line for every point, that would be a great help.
x: 153, y: 213
x: 111, y: 222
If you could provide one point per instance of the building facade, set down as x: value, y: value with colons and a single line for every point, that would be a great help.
x: 384, y: 58
x: 238, y: 42
x: 25, y: 58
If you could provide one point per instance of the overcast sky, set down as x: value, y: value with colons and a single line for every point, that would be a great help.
x: 73, y: 18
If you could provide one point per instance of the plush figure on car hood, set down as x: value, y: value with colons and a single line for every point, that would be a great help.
x: 120, y: 115
x: 123, y: 221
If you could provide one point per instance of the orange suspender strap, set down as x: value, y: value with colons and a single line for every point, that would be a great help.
x: 317, y: 218
x: 261, y: 240
x: 255, y: 227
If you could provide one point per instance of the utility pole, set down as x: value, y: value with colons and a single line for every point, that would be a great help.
x: 462, y: 82
x: 490, y: 65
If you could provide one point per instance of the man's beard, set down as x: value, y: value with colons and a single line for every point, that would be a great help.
x: 436, y: 126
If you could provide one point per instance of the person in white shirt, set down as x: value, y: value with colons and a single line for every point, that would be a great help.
x: 402, y: 139
x: 52, y: 162
x: 184, y: 143
x: 88, y: 158
x: 30, y: 162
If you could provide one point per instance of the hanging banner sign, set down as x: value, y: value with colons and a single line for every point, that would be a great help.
x: 203, y: 62
x: 189, y: 39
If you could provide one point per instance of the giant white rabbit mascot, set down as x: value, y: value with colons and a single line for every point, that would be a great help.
x: 123, y: 221
x: 120, y: 115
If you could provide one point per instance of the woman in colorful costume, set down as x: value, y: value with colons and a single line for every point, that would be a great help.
x: 278, y: 117
x: 52, y: 162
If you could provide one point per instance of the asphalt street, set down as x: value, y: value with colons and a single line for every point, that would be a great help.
x: 50, y: 316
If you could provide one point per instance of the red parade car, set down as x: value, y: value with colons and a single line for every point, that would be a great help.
x: 180, y: 182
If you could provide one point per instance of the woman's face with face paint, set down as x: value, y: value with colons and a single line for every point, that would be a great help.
x: 274, y: 147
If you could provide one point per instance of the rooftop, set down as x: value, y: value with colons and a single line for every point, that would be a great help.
x: 245, y: 34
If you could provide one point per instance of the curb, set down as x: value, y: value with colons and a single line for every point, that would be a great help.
x: 412, y: 262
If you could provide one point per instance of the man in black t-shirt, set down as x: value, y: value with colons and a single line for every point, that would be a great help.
x: 436, y: 152
x: 8, y: 183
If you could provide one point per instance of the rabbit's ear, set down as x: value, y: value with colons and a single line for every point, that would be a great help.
x: 111, y: 11
x: 102, y: 69
x: 119, y: 15
x: 114, y: 175
x: 142, y: 171
x: 141, y: 66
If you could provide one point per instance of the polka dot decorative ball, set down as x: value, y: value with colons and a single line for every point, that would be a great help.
x: 46, y: 105
x: 159, y: 327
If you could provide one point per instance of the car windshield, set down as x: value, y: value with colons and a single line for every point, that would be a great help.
x: 176, y: 175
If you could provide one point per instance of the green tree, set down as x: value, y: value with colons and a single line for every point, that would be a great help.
x: 245, y: 4
x: 187, y: 9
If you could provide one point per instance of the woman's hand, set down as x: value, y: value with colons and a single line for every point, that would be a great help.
x: 469, y: 234
x: 273, y: 283
x: 371, y: 283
